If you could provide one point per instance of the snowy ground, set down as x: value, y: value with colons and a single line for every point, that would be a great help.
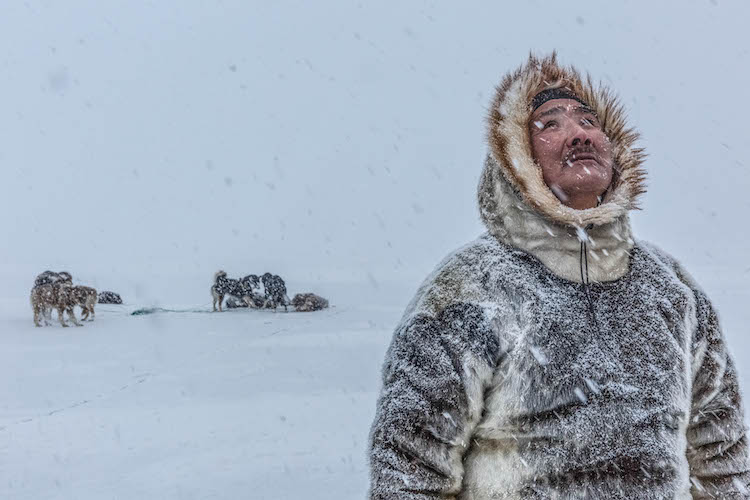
x: 242, y: 404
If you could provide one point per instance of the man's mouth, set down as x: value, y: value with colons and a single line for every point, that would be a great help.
x: 574, y: 157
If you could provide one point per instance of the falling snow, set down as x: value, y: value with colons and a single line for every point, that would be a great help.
x: 339, y: 151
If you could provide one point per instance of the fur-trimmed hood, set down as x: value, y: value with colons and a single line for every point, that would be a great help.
x: 506, y: 381
x: 518, y: 207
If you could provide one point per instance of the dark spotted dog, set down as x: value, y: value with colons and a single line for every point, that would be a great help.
x: 107, y: 297
x: 275, y: 291
x: 49, y: 277
x: 247, y: 291
x: 253, y: 294
x: 224, y: 286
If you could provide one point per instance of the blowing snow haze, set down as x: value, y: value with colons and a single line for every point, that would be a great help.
x: 146, y: 145
x: 333, y: 142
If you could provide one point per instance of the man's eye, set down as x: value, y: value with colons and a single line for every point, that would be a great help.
x: 551, y: 123
x: 588, y: 121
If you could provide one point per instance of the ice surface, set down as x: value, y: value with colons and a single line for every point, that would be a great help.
x: 193, y: 404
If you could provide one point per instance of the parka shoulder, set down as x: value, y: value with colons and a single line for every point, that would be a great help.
x: 482, y: 272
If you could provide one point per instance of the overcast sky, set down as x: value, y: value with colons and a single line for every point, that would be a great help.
x: 330, y: 141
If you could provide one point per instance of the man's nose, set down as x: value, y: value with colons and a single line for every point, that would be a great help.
x: 578, y: 136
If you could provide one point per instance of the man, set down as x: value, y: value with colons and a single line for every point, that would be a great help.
x: 555, y: 357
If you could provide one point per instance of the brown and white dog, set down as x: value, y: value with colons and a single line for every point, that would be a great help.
x: 49, y: 278
x: 60, y: 296
x: 306, y: 302
x: 86, y: 297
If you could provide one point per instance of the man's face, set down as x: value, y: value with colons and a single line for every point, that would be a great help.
x: 574, y: 153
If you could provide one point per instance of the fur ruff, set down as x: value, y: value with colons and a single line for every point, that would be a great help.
x: 516, y: 204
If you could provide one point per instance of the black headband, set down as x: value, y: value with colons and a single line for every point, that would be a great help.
x: 549, y: 94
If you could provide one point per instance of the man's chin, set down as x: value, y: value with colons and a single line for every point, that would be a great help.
x: 587, y: 168
x: 586, y: 178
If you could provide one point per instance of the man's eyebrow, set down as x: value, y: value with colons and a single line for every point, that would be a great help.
x: 582, y: 110
x: 552, y: 111
x: 585, y: 110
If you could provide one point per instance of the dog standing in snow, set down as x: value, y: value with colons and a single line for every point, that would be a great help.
x: 275, y: 291
x: 253, y: 293
x: 58, y: 295
x: 248, y: 290
x: 86, y: 297
x: 51, y: 278
x: 223, y: 286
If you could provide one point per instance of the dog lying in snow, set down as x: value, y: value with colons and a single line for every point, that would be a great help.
x: 302, y: 302
x: 305, y: 302
x: 247, y: 290
x: 58, y: 295
x: 107, y: 297
x: 275, y: 291
x: 234, y: 303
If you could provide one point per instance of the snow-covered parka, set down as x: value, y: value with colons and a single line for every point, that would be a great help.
x: 555, y: 357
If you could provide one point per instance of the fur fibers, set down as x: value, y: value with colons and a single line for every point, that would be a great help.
x: 306, y: 302
x: 58, y: 295
x: 507, y: 378
x: 517, y: 206
x: 519, y: 395
x: 510, y: 145
x: 86, y: 297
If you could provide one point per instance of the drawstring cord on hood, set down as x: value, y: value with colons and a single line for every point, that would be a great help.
x: 586, y: 282
x: 585, y: 275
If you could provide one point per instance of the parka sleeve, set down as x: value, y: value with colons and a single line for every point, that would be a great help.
x: 716, y: 434
x: 434, y: 378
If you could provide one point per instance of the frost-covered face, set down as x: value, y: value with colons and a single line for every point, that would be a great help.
x: 573, y: 151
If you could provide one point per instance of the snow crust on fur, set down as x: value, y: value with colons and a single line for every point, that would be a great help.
x: 510, y: 145
x: 498, y: 385
x: 508, y: 379
x: 519, y: 208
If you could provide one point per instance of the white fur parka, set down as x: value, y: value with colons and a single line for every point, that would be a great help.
x: 555, y: 357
